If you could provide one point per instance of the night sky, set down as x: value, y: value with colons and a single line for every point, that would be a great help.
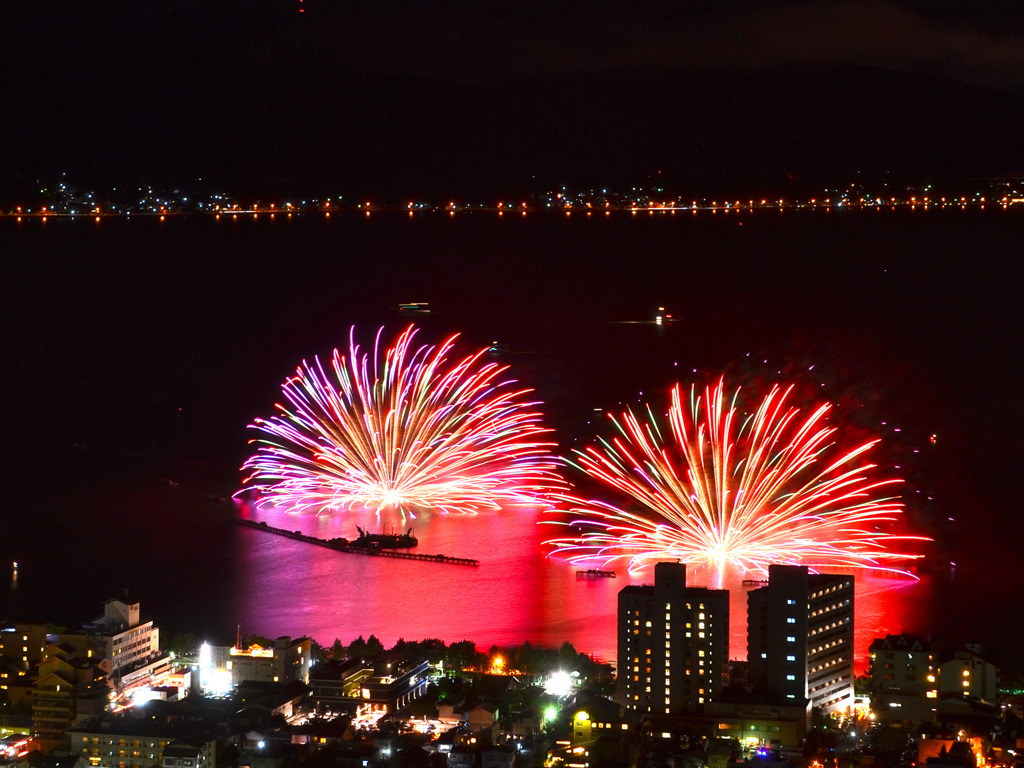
x: 481, y: 99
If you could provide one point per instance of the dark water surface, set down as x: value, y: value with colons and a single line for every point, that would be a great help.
x: 136, y: 353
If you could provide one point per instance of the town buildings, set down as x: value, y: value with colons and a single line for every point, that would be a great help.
x: 965, y: 674
x: 800, y: 637
x: 223, y: 667
x: 673, y: 643
x: 192, y: 751
x: 69, y: 687
x: 141, y: 744
x: 126, y: 637
x: 23, y: 645
x: 60, y: 679
x: 367, y: 687
x: 903, y: 672
x: 913, y: 679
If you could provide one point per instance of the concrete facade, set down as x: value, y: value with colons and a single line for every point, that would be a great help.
x: 673, y: 643
x: 800, y: 637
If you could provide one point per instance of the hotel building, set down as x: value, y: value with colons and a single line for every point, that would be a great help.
x: 800, y: 637
x: 673, y: 643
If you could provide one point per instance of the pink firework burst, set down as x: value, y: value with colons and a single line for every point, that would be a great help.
x: 407, y: 427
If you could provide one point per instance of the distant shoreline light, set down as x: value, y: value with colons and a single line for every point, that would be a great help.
x: 256, y: 212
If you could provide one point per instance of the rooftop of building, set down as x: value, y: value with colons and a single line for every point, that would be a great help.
x: 902, y: 642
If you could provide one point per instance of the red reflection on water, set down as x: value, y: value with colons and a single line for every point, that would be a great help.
x: 515, y: 595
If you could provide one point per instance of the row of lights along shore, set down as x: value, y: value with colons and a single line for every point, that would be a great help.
x: 452, y: 208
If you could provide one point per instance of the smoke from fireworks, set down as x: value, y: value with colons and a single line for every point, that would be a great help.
x: 769, y: 487
x: 405, y: 428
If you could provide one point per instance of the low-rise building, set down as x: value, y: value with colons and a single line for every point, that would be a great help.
x: 368, y: 687
x: 134, y: 744
x: 25, y: 644
x: 903, y: 673
x: 225, y: 667
x: 525, y: 723
x: 332, y: 686
x: 67, y: 689
x: 755, y: 723
x: 192, y: 751
x: 966, y: 674
x: 599, y: 717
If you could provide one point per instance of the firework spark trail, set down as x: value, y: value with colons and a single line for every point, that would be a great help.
x: 409, y: 429
x: 770, y: 488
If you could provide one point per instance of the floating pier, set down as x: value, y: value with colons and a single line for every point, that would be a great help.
x: 346, y: 547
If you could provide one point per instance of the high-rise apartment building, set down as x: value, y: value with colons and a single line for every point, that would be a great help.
x: 673, y: 643
x: 800, y: 637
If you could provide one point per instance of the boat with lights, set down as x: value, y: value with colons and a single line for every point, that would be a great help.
x: 391, y: 540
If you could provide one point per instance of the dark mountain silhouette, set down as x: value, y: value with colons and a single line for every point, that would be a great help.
x: 282, y: 131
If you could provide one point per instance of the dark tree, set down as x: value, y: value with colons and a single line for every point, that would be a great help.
x: 337, y: 650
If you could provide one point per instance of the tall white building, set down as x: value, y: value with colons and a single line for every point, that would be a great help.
x: 673, y: 643
x: 127, y: 639
x: 800, y: 637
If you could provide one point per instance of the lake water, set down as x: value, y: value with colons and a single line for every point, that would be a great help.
x: 139, y: 351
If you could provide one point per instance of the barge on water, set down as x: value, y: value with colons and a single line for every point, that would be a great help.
x: 385, y: 540
x: 347, y: 547
x: 595, y: 573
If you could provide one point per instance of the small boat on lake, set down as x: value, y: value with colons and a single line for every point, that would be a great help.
x: 595, y: 573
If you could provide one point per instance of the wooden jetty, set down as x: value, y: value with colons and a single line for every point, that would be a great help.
x: 347, y: 547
